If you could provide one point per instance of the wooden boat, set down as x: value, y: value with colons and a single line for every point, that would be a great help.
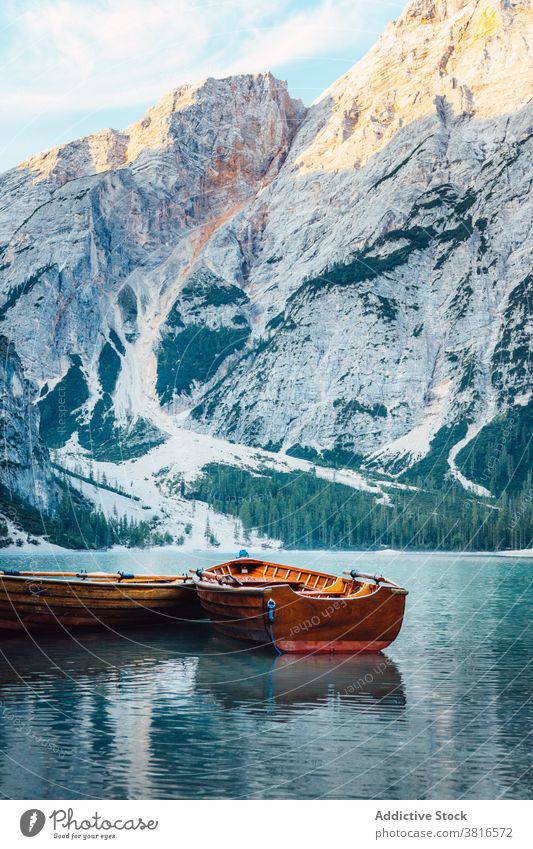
x: 32, y: 601
x: 300, y: 610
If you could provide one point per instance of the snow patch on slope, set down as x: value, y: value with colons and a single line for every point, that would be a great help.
x: 469, y: 485
x: 416, y: 443
x: 152, y: 484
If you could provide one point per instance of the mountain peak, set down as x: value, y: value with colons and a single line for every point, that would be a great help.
x: 453, y: 59
x: 156, y: 127
x: 433, y: 11
x: 159, y: 126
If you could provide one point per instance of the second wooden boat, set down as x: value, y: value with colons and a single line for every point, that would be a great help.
x: 35, y: 601
x: 300, y: 610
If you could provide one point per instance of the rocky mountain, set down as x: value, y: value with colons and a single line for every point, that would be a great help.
x: 349, y: 284
x: 391, y: 284
x: 25, y: 460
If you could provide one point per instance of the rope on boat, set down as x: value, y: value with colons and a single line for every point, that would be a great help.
x: 271, y: 606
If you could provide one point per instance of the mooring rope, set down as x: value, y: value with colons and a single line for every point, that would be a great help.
x: 271, y: 606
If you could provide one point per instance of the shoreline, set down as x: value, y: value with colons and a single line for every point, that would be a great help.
x: 45, y: 548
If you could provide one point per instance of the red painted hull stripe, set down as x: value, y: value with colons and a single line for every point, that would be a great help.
x: 332, y: 646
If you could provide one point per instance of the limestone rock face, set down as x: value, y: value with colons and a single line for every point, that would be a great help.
x: 98, y: 237
x: 24, y: 471
x: 394, y: 245
x: 453, y: 58
x: 349, y: 279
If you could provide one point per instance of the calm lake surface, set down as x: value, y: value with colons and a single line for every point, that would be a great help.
x: 180, y: 712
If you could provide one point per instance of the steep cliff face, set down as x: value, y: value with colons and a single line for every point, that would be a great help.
x: 100, y: 234
x: 25, y: 474
x: 351, y: 281
x: 391, y: 288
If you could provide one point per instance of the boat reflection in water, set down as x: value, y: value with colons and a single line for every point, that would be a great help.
x: 222, y: 669
x: 183, y: 713
x: 235, y: 677
x: 153, y: 715
x: 52, y: 657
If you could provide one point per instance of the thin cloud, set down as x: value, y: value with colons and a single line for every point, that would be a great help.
x: 331, y: 26
x: 68, y: 55
x: 70, y: 67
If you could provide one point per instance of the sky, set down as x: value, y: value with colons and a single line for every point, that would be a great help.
x: 71, y: 67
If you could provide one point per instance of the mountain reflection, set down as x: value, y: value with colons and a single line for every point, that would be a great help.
x: 145, y: 713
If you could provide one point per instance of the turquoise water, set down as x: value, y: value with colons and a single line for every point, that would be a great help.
x: 446, y: 712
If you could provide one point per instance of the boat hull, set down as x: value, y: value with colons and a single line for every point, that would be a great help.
x: 42, y: 604
x: 305, y: 624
